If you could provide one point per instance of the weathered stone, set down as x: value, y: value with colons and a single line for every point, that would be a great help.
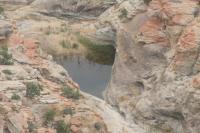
x: 75, y: 129
x: 1, y: 124
x: 46, y: 130
x: 5, y: 29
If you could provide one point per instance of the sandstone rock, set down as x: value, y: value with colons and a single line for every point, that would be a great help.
x: 54, y: 72
x: 75, y: 121
x: 17, y: 72
x: 1, y: 124
x: 106, y: 34
x: 46, y: 130
x: 158, y: 73
x: 196, y: 82
x: 178, y: 13
x: 17, y: 122
x: 12, y: 85
x: 75, y: 129
x: 152, y: 32
x: 16, y: 1
x: 75, y: 9
x: 49, y: 100
x: 187, y: 49
x: 5, y: 29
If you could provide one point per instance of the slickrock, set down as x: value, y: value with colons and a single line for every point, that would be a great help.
x: 155, y: 79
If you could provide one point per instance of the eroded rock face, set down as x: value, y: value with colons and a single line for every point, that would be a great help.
x: 33, y: 70
x: 155, y: 77
x: 155, y: 81
x: 74, y: 8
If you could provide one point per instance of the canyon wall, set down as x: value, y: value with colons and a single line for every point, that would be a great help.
x: 155, y: 79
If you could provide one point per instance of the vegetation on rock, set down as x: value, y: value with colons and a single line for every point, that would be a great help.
x: 5, y: 57
x: 147, y: 1
x: 1, y: 9
x: 123, y: 13
x: 68, y: 111
x: 8, y: 72
x: 70, y: 93
x: 33, y: 89
x: 31, y: 127
x: 97, y: 52
x: 15, y: 97
x: 62, y: 127
x: 49, y: 116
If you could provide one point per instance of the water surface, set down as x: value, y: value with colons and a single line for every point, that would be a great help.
x: 92, y: 77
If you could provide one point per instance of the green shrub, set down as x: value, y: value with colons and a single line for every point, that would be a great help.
x: 97, y: 52
x: 68, y: 111
x: 98, y: 126
x: 31, y: 127
x: 5, y: 57
x: 147, y: 1
x: 8, y: 72
x: 1, y: 9
x: 49, y: 116
x: 63, y: 73
x: 70, y: 93
x: 15, y: 97
x: 47, y: 32
x: 123, y: 13
x: 75, y: 46
x: 62, y: 127
x: 33, y: 89
x: 64, y: 44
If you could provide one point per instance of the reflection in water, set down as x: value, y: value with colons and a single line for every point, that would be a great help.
x: 92, y: 77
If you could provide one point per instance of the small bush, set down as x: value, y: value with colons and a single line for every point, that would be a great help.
x: 15, y: 97
x: 47, y: 32
x: 62, y: 127
x: 5, y: 57
x: 147, y: 1
x: 31, y: 127
x: 75, y: 46
x: 63, y: 73
x: 70, y: 93
x: 33, y: 89
x: 49, y: 116
x: 98, y: 52
x: 97, y: 126
x: 1, y: 9
x: 123, y: 13
x: 68, y: 111
x: 64, y: 44
x: 8, y: 72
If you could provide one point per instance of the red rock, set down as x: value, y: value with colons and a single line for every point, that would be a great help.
x: 196, y: 82
x: 152, y: 32
x: 180, y: 13
x: 187, y: 49
x: 76, y: 121
x: 75, y: 129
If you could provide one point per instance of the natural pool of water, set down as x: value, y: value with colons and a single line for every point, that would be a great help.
x: 92, y: 77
